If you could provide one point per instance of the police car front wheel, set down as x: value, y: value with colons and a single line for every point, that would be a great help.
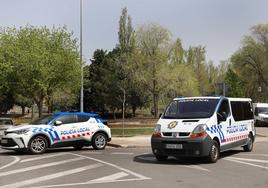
x: 99, y: 141
x: 214, y: 152
x: 38, y: 145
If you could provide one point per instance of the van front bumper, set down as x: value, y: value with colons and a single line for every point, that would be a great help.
x: 184, y: 147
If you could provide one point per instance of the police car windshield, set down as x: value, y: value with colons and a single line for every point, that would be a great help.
x: 43, y: 120
x: 191, y: 108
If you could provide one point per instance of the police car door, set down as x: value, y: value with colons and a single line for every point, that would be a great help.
x: 67, y: 129
x: 224, y: 121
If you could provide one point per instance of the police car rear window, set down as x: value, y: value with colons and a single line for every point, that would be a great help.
x: 82, y: 118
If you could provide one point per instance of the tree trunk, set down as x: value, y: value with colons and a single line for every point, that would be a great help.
x: 134, y: 111
x: 40, y: 107
x: 23, y: 110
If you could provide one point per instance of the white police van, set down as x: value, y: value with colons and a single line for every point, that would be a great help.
x: 62, y: 129
x: 203, y: 127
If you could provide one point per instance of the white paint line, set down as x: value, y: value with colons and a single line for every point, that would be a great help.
x: 112, y: 177
x: 38, y: 166
x: 250, y: 160
x: 51, y: 176
x: 195, y: 167
x: 115, y: 166
x: 253, y: 154
x: 250, y: 164
x: 122, y: 153
x: 11, y: 163
x: 92, y: 152
x: 86, y: 183
x: 41, y: 157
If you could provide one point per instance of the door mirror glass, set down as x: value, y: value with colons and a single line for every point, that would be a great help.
x: 222, y: 116
x: 57, y: 123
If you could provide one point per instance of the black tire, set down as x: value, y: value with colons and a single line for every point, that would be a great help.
x: 214, y: 152
x: 249, y: 146
x: 161, y: 157
x: 99, y: 141
x: 38, y: 145
x: 78, y: 146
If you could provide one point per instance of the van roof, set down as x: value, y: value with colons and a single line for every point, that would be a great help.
x: 210, y: 97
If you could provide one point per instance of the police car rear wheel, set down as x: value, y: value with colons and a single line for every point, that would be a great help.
x: 38, y: 145
x: 99, y: 141
x: 249, y: 146
x: 214, y: 152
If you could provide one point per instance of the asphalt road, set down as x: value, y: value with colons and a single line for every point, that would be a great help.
x: 132, y: 167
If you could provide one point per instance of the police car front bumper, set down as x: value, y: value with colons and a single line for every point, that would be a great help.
x: 181, y: 147
x: 12, y: 143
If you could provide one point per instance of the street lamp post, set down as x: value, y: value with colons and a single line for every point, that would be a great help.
x: 81, y: 60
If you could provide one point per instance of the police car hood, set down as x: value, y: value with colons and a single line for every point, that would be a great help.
x: 20, y: 127
x: 180, y: 125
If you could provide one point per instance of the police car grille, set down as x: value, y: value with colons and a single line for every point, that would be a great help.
x: 170, y: 134
x: 10, y: 142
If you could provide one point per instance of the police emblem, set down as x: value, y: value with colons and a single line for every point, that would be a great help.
x: 172, y: 124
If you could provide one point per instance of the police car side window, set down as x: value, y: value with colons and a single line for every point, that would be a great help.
x: 66, y: 119
x: 82, y: 118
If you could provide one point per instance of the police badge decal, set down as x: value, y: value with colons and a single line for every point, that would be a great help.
x: 172, y: 124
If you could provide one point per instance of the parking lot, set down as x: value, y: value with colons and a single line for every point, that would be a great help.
x: 132, y: 167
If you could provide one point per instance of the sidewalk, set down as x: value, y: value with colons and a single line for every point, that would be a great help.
x: 145, y: 140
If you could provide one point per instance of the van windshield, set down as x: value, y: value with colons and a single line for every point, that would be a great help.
x: 191, y: 108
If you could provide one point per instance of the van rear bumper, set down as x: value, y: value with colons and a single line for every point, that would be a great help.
x: 186, y: 147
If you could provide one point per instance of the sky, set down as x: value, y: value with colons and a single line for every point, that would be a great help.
x: 219, y: 25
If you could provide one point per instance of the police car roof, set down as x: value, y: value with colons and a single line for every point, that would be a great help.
x: 76, y: 113
x: 213, y: 97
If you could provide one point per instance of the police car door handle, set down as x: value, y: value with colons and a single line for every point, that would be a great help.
x: 230, y: 122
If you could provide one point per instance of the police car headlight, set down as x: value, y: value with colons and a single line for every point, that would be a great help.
x: 199, y: 130
x: 21, y: 131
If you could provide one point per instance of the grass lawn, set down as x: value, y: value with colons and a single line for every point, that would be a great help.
x: 132, y: 131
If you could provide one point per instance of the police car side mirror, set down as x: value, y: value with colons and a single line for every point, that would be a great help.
x: 160, y: 115
x: 57, y: 123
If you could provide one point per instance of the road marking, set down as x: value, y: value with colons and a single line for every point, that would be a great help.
x: 112, y: 177
x: 115, y: 166
x: 250, y: 160
x: 122, y: 153
x: 196, y: 167
x: 252, y: 154
x: 41, y: 157
x: 38, y: 166
x: 92, y: 152
x: 250, y: 164
x: 11, y: 163
x: 51, y: 176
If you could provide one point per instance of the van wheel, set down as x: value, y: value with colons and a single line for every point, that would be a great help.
x: 38, y: 145
x: 249, y: 146
x: 161, y: 157
x: 99, y: 141
x: 214, y: 152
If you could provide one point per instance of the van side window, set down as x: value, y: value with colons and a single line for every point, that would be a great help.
x: 241, y: 110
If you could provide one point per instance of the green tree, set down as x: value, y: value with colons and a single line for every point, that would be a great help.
x: 235, y: 86
x: 40, y: 60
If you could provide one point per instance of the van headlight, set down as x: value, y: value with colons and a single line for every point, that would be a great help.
x: 199, y: 131
x: 157, y: 131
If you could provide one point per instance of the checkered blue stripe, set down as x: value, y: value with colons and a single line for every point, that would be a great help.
x: 52, y: 133
x: 217, y: 129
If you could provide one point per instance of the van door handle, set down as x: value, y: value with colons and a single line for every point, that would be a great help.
x: 230, y: 122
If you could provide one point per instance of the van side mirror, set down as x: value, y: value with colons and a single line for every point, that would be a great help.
x: 222, y: 116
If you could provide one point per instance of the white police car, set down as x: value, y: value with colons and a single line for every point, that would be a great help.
x: 62, y: 129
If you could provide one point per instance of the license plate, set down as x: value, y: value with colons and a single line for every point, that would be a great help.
x: 174, y: 146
